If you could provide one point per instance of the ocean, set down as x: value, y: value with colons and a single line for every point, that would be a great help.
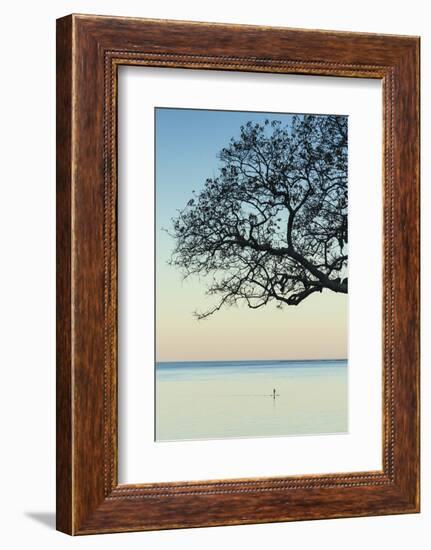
x: 231, y: 399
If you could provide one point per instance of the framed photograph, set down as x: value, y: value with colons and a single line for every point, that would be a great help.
x: 237, y: 274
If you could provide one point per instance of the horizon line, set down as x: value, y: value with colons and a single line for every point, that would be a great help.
x: 255, y: 360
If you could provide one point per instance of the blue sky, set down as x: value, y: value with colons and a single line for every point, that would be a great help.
x: 187, y: 143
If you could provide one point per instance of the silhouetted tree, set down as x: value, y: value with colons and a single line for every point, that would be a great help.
x: 272, y: 226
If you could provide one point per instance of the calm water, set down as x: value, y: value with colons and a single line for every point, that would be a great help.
x: 221, y: 399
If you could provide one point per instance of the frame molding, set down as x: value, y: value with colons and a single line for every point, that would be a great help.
x: 89, y: 51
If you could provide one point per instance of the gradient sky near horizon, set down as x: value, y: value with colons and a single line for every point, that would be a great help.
x: 187, y: 142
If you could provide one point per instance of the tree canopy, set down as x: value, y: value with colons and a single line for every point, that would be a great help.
x: 272, y: 226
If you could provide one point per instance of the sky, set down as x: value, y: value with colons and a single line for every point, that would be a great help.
x: 187, y: 143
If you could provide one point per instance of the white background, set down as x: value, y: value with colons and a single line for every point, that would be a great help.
x: 141, y: 458
x: 27, y: 122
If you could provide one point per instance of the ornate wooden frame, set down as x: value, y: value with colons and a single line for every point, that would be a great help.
x: 89, y: 51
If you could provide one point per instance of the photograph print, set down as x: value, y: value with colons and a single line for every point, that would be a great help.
x: 251, y: 259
